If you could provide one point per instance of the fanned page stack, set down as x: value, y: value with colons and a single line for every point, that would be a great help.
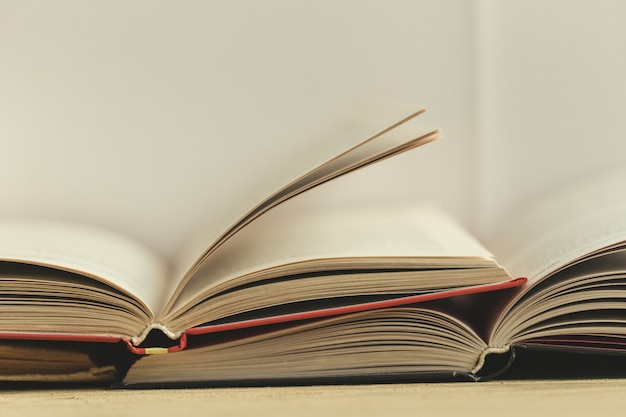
x: 273, y: 291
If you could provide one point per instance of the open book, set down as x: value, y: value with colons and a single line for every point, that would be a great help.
x: 272, y: 290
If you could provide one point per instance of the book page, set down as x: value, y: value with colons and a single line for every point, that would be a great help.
x: 583, y: 299
x: 387, y: 341
x: 348, y: 147
x: 293, y: 239
x: 582, y: 218
x: 102, y: 255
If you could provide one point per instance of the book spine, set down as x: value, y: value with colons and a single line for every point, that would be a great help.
x: 492, y: 362
x: 182, y: 343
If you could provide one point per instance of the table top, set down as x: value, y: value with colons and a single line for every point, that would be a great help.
x: 511, y: 398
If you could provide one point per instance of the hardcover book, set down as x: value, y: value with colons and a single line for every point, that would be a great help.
x: 273, y: 289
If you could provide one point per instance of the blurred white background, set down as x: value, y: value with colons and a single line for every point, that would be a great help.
x: 134, y: 115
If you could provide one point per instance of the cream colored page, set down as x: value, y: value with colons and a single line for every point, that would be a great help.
x: 102, y: 255
x: 579, y: 219
x: 357, y: 129
x: 291, y: 234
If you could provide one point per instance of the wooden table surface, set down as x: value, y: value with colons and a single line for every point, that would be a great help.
x: 604, y: 397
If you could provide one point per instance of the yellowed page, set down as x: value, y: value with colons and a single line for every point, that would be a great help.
x: 102, y: 255
x: 582, y: 218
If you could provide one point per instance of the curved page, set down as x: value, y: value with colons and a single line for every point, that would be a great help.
x: 372, y: 136
x: 89, y: 251
x: 585, y: 217
x: 381, y: 242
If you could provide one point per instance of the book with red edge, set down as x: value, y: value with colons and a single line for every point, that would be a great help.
x: 283, y: 286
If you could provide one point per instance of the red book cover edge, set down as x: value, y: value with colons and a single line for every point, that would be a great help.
x: 307, y: 315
